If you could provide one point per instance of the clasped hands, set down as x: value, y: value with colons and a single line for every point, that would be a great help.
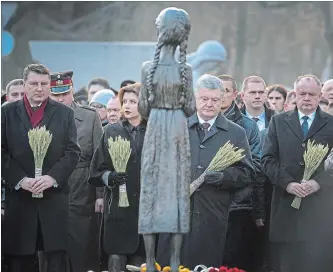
x: 37, y: 185
x: 303, y: 189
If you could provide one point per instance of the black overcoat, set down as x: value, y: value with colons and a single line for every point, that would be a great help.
x: 209, y: 204
x: 283, y: 163
x: 120, y: 234
x: 22, y: 210
x: 83, y: 229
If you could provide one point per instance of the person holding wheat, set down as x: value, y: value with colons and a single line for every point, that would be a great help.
x: 37, y: 199
x: 210, y: 132
x: 116, y: 166
x: 294, y: 152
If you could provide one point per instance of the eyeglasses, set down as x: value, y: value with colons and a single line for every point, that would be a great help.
x: 97, y: 106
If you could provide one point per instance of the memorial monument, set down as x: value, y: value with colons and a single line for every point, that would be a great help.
x: 167, y: 98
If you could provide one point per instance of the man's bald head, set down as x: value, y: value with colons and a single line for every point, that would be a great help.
x: 327, y: 90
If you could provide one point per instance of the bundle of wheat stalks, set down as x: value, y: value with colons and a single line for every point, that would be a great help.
x: 227, y: 155
x: 120, y: 152
x: 313, y: 156
x: 39, y: 141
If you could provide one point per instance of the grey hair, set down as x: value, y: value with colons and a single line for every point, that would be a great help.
x: 315, y: 78
x: 209, y: 82
x: 14, y: 82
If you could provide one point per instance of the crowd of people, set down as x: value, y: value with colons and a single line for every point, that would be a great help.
x: 240, y: 217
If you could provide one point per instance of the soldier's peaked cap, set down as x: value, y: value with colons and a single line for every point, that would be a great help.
x: 61, y: 82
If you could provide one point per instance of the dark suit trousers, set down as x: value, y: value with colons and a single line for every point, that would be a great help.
x: 299, y: 256
x: 245, y: 243
x: 56, y: 261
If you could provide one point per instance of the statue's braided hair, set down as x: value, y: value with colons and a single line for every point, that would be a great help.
x: 152, y: 70
x: 182, y: 57
x: 174, y: 27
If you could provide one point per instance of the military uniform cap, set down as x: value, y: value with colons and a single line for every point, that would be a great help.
x: 61, y: 82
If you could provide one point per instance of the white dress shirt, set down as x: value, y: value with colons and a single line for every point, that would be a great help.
x: 211, y: 121
x: 310, y: 120
x: 261, y: 123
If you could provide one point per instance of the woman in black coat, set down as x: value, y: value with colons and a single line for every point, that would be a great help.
x: 120, y: 234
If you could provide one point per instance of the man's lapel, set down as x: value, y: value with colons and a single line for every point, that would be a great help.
x: 293, y: 122
x: 48, y: 112
x: 318, y: 122
x: 22, y: 113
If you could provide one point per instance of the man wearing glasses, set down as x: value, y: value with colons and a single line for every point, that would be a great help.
x: 99, y: 101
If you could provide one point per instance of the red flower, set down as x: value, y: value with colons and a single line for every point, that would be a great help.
x: 212, y: 269
x: 233, y: 269
x: 223, y: 269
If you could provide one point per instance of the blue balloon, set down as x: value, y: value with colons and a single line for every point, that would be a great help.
x: 7, y: 43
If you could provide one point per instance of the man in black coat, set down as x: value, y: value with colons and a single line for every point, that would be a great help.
x: 241, y: 234
x: 254, y: 95
x: 210, y: 203
x: 37, y: 223
x: 302, y: 238
x: 85, y: 201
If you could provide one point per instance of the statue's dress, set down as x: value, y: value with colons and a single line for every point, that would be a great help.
x: 165, y: 170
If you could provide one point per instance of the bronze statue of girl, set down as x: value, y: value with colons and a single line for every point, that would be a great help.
x: 167, y: 98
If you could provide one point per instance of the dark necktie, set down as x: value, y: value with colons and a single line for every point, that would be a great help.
x: 255, y: 119
x: 205, y: 127
x: 305, y: 125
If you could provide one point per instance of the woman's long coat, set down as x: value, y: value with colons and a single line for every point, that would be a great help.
x: 120, y: 224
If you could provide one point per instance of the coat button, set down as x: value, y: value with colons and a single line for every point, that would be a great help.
x: 135, y: 161
x: 199, y: 167
x: 301, y: 163
x: 303, y: 144
x: 202, y: 146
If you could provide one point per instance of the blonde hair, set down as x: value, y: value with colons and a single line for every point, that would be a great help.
x: 254, y: 79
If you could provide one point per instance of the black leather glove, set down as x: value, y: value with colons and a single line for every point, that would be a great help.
x: 214, y: 178
x: 117, y: 179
